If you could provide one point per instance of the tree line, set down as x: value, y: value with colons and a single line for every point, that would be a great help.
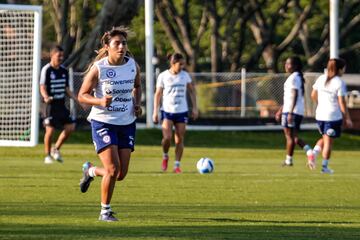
x: 213, y: 35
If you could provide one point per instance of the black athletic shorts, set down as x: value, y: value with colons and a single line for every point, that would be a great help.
x: 56, y: 115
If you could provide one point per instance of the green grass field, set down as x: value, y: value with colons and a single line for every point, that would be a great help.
x: 249, y: 196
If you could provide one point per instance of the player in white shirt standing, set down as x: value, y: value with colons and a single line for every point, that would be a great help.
x: 171, y: 87
x: 292, y: 111
x: 114, y: 78
x: 329, y: 93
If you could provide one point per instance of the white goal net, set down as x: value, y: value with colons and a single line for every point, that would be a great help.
x: 20, y: 49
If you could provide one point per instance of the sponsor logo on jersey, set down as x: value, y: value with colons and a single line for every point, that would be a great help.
x: 122, y: 108
x: 108, y: 91
x: 120, y: 99
x: 119, y: 82
x: 122, y: 91
x: 110, y: 73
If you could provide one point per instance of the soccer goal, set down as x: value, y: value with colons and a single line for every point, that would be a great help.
x: 20, y: 44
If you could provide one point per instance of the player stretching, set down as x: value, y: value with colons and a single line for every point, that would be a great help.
x: 115, y: 78
x: 292, y: 111
x: 329, y: 93
x: 171, y: 86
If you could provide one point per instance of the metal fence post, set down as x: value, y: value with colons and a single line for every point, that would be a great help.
x: 71, y: 87
x: 243, y: 92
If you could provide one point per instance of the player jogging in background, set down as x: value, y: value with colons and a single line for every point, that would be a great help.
x: 329, y: 93
x: 292, y: 111
x: 171, y: 87
x: 54, y: 86
x: 115, y: 78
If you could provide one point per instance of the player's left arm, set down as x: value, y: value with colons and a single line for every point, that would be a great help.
x: 314, y: 96
x: 192, y: 93
x: 137, y: 93
x: 345, y: 112
x: 294, y: 95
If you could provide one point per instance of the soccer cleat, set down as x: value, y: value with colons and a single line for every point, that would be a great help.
x: 48, y: 160
x: 311, y: 161
x: 285, y: 164
x: 327, y: 170
x: 86, y: 179
x: 108, y: 217
x: 55, y: 153
x: 177, y: 170
x: 164, y: 164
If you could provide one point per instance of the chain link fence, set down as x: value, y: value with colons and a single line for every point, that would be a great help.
x: 227, y: 96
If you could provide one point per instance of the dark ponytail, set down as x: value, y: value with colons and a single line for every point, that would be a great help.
x: 333, y: 67
x: 297, y: 66
x: 174, y: 58
x: 105, y: 40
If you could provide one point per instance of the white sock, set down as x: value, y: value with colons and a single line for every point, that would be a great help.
x: 105, y: 208
x: 306, y: 148
x: 92, y: 172
x: 165, y: 155
x: 317, y: 150
x: 325, y: 163
x: 177, y: 163
x: 288, y: 159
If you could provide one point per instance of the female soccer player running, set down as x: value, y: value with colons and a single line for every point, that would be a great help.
x: 115, y: 78
x: 172, y: 86
x: 292, y: 111
x: 329, y: 93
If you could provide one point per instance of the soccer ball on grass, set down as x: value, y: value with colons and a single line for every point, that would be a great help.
x: 205, y: 165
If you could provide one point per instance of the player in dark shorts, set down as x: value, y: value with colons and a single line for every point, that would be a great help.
x: 54, y: 86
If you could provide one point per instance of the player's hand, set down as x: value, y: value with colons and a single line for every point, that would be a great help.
x: 278, y: 116
x: 349, y: 123
x: 48, y: 99
x: 290, y: 119
x: 137, y: 110
x: 155, y: 118
x: 194, y: 113
x: 106, y: 101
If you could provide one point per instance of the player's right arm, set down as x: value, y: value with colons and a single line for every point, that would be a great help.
x: 43, y: 91
x: 90, y: 82
x: 157, y: 98
x: 44, y: 94
x: 278, y: 114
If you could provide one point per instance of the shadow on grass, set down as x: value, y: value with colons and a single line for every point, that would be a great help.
x: 225, y: 139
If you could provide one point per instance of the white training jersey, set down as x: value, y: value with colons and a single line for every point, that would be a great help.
x: 328, y: 108
x: 293, y: 82
x: 174, y: 91
x: 117, y: 81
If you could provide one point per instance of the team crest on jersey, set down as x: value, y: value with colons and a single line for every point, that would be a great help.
x: 330, y: 132
x: 106, y: 139
x: 52, y: 75
x: 110, y: 73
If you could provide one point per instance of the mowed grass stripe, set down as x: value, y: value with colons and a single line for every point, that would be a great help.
x: 249, y: 195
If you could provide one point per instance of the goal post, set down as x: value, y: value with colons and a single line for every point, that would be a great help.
x: 20, y: 44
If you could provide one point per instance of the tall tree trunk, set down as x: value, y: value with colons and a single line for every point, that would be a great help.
x: 113, y: 13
